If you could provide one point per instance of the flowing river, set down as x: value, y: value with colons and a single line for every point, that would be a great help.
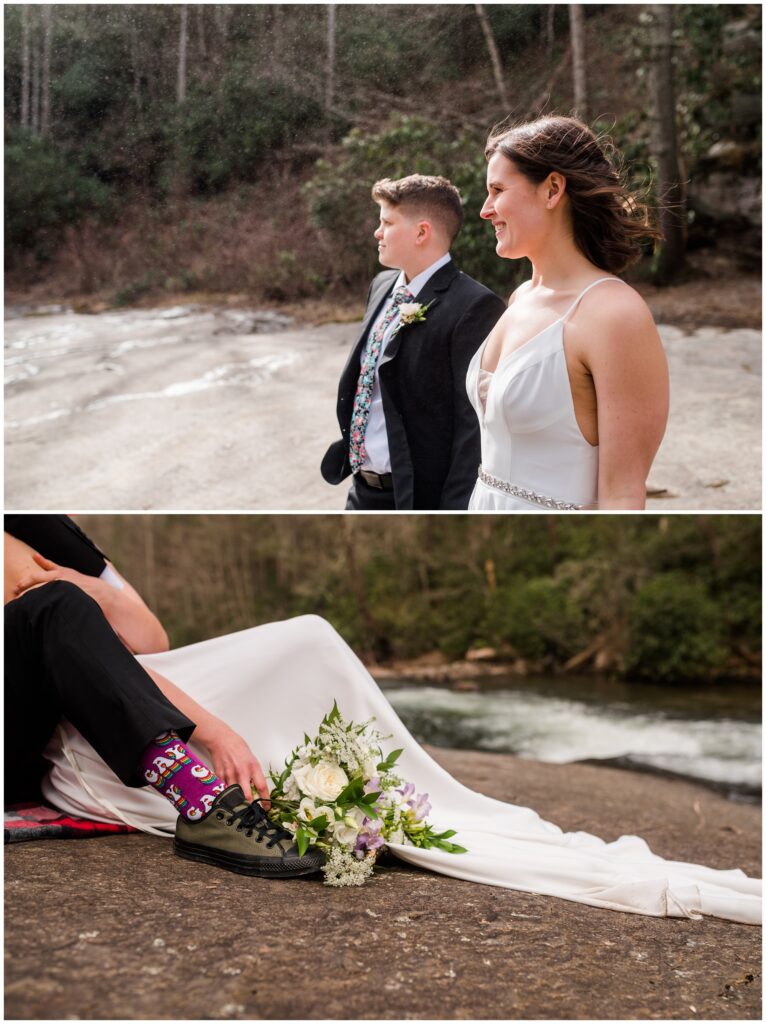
x: 710, y: 736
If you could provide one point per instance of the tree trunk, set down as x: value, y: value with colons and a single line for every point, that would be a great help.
x: 579, y: 72
x: 134, y: 60
x: 374, y: 644
x: 35, y: 116
x: 494, y: 57
x: 550, y: 31
x: 182, y: 44
x: 670, y: 190
x: 330, y: 84
x: 25, y: 77
x: 45, y: 114
x: 202, y: 42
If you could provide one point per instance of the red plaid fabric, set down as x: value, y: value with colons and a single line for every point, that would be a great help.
x: 24, y: 822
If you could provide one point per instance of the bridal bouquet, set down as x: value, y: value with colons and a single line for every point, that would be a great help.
x: 338, y: 792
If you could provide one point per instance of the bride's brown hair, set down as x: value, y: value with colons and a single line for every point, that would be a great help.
x: 609, y: 221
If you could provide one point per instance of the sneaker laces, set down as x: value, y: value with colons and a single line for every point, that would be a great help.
x: 253, y: 817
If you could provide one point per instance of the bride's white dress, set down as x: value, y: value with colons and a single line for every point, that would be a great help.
x: 274, y: 682
x: 533, y: 454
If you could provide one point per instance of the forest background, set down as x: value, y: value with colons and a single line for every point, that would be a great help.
x: 213, y: 149
x: 663, y: 599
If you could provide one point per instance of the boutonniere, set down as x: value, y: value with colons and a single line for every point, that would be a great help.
x: 412, y: 313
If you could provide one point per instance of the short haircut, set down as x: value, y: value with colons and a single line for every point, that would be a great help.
x: 434, y: 197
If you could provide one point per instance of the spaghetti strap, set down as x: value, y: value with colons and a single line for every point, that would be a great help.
x: 583, y: 292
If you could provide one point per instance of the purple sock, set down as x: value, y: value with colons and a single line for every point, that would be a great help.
x: 169, y: 766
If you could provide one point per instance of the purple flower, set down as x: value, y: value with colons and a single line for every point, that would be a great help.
x: 369, y: 838
x: 373, y: 786
x: 407, y: 790
x: 420, y: 806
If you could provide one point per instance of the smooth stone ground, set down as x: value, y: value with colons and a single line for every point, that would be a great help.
x: 181, y: 409
x: 120, y: 928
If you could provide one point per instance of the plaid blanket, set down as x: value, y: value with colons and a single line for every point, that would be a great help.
x: 37, y: 821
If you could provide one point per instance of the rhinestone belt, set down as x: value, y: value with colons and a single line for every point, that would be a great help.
x: 522, y: 492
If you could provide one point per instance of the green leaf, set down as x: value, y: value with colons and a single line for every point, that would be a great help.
x: 352, y: 792
x: 390, y: 761
x: 366, y: 809
x: 449, y: 847
x: 302, y: 839
x: 320, y: 823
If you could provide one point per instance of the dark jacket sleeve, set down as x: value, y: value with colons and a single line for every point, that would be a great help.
x: 468, y: 334
x: 58, y: 538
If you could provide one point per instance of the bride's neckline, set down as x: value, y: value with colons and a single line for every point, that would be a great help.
x: 545, y: 330
x: 519, y: 348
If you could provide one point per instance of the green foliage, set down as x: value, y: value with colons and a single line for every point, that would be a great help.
x: 673, y: 597
x: 538, y: 618
x: 676, y: 631
x: 44, y: 191
x: 340, y: 205
x: 255, y: 111
x: 229, y: 135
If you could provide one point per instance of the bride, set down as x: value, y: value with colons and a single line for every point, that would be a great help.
x: 571, y: 386
x: 274, y: 681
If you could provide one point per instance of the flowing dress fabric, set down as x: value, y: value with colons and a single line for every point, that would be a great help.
x: 530, y: 437
x: 274, y: 682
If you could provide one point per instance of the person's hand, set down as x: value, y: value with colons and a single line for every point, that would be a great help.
x: 49, y: 571
x: 233, y: 761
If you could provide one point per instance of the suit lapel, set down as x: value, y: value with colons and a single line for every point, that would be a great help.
x: 430, y: 296
x: 377, y: 299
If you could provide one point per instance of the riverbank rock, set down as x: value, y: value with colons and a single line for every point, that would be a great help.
x: 120, y: 928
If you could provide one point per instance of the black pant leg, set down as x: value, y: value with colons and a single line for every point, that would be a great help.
x: 64, y: 660
x: 363, y: 498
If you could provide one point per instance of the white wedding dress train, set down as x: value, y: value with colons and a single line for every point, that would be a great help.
x: 273, y: 682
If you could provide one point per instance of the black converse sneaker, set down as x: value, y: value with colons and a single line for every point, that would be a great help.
x: 238, y: 836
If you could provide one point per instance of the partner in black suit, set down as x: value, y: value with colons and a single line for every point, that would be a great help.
x: 418, y: 446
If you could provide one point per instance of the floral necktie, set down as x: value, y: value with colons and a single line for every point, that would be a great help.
x: 363, y: 397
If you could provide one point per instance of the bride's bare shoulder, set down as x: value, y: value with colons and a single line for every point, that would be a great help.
x: 519, y: 292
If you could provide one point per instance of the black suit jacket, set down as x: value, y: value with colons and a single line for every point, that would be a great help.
x: 433, y: 433
x: 58, y: 538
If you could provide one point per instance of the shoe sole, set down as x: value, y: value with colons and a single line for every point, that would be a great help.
x: 270, y: 867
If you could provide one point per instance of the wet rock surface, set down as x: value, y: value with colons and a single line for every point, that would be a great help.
x: 148, y: 409
x: 120, y: 928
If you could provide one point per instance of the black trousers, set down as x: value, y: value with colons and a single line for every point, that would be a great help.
x: 64, y: 660
x: 363, y: 498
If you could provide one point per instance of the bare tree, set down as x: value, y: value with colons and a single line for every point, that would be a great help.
x: 45, y: 113
x: 25, y: 75
x: 222, y: 17
x: 670, y: 188
x: 579, y: 72
x: 201, y: 41
x: 494, y: 56
x: 35, y: 113
x: 330, y: 90
x: 550, y: 34
x: 135, y: 61
x: 183, y: 39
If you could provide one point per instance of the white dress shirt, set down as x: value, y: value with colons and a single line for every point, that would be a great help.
x: 378, y: 458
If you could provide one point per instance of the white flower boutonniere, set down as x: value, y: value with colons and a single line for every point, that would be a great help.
x: 412, y: 313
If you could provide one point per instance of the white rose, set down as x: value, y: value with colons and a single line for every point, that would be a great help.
x: 348, y: 829
x: 323, y: 781
x: 290, y: 788
x: 408, y: 309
